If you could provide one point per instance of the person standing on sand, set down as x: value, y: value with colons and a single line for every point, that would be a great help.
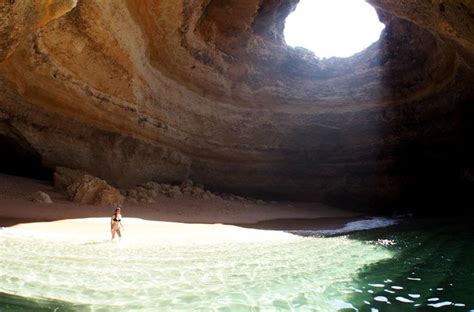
x: 116, y: 223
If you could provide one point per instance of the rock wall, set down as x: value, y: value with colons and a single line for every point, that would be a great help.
x: 134, y: 91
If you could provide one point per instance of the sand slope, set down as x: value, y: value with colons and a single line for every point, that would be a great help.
x: 15, y: 208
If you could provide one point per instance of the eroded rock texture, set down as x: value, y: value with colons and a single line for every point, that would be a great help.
x: 140, y: 90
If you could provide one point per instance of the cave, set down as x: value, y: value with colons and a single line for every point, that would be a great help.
x: 18, y: 158
x: 186, y: 155
x: 230, y: 105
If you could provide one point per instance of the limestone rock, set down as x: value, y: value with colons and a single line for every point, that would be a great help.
x: 165, y: 187
x: 86, y: 189
x: 41, y: 197
x: 108, y: 196
x: 149, y: 191
x: 197, y: 190
x: 92, y: 190
x: 144, y: 194
x: 206, y: 195
x: 174, y: 191
x: 152, y: 185
x: 187, y: 190
x: 63, y: 177
x: 88, y: 84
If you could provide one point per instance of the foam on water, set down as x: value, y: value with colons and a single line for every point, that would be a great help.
x: 367, y: 224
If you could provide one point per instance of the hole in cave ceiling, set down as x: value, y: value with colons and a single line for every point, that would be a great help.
x: 333, y: 28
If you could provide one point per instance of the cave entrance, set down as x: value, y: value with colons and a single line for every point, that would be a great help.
x: 333, y: 28
x: 18, y: 158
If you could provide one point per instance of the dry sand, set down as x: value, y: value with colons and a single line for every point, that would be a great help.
x: 15, y: 208
x: 143, y: 231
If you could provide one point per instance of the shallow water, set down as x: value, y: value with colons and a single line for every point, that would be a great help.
x: 400, y: 268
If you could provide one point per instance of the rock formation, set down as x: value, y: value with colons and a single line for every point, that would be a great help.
x: 41, y: 197
x: 134, y: 91
x: 146, y: 193
x: 83, y: 188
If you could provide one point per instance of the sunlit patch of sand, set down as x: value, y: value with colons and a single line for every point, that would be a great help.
x: 143, y: 231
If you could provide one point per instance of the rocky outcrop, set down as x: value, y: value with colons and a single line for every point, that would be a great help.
x: 41, y: 197
x: 86, y: 189
x: 135, y: 91
x: 63, y: 177
x: 92, y: 190
x: 21, y: 18
x: 147, y: 193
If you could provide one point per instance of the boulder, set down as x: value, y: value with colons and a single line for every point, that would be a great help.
x: 94, y: 191
x: 152, y: 186
x: 205, y: 195
x: 84, y: 188
x: 197, y: 190
x: 108, y: 196
x: 142, y: 194
x: 41, y: 197
x: 174, y: 191
x: 165, y: 187
x: 187, y: 190
x: 63, y: 177
x: 152, y: 193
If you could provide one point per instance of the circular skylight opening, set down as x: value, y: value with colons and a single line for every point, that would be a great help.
x: 330, y: 28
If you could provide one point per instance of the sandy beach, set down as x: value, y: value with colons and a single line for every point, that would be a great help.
x: 143, y: 231
x: 15, y: 208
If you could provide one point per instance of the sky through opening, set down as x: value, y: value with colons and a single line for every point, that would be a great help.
x: 333, y: 27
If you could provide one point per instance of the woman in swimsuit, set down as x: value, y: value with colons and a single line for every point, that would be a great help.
x: 116, y: 223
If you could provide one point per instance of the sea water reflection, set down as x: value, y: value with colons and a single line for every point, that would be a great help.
x: 424, y: 268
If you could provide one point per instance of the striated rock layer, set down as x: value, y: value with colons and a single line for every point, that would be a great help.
x: 142, y: 90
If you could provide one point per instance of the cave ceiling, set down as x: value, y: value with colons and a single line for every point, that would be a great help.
x: 139, y: 90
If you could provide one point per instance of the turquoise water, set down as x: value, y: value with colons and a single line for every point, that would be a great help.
x: 411, y: 267
x: 433, y: 267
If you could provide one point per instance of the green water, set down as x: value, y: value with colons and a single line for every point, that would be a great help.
x: 433, y: 262
x: 429, y: 267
